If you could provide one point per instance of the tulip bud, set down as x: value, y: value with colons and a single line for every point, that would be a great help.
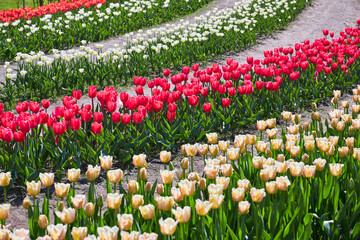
x: 340, y: 126
x: 244, y: 207
x: 334, y: 101
x: 4, y: 211
x: 296, y: 118
x: 160, y: 189
x: 148, y: 187
x: 133, y: 187
x: 313, y: 106
x: 315, y: 116
x: 345, y: 104
x: 143, y: 174
x: 100, y: 201
x: 202, y: 184
x: 306, y: 126
x: 305, y: 158
x: 182, y: 150
x: 43, y: 221
x: 26, y: 203
x: 351, y: 184
x: 184, y: 163
x: 89, y: 209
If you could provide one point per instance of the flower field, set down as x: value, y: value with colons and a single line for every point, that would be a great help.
x: 65, y: 24
x: 265, y: 149
x: 147, y: 53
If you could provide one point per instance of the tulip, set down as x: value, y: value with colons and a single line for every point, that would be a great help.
x: 261, y: 146
x: 160, y: 189
x: 47, y: 179
x: 33, y: 188
x: 296, y: 118
x: 67, y: 216
x: 271, y: 122
x: 257, y: 195
x: 215, y: 189
x: 211, y: 171
x: 216, y: 200
x: 79, y: 233
x: 62, y: 189
x: 4, y: 234
x: 223, y: 145
x: 184, y: 163
x: 5, y: 179
x: 282, y: 183
x: 244, y: 207
x: 226, y: 170
x: 271, y: 133
x: 202, y: 149
x: 276, y: 144
x: 309, y: 171
x: 212, y: 138
x: 191, y: 150
x: 148, y: 187
x: 167, y: 226
x: 309, y: 145
x: 343, y: 151
x: 108, y: 233
x: 331, y: 150
x: 295, y: 151
x: 43, y: 221
x: 293, y: 129
x: 26, y: 203
x: 20, y: 234
x: 92, y: 173
x: 335, y: 169
x: 244, y: 183
x: 261, y: 125
x: 73, y: 174
x: 286, y: 116
x: 214, y: 150
x: 182, y: 215
x: 320, y: 164
x: 125, y: 221
x: 257, y: 162
x: 133, y: 187
x: 233, y: 153
x: 267, y: 173
x: 114, y: 200
x: 78, y: 201
x: 165, y: 156
x: 187, y: 187
x: 137, y: 201
x: 4, y: 211
x: 106, y: 162
x: 194, y: 176
x: 223, y: 181
x: 296, y: 169
x: 115, y: 176
x: 139, y: 161
x: 202, y: 184
x: 268, y: 162
x: 164, y: 203
x: 281, y: 158
x: 89, y: 209
x: 202, y: 207
x: 57, y: 231
x: 350, y: 142
x: 238, y: 194
x: 147, y: 211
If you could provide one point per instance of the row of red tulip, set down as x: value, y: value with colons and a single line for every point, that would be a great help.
x: 61, y: 6
x: 322, y: 57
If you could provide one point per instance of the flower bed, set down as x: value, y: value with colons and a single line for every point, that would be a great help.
x: 88, y: 24
x: 300, y: 183
x: 150, y: 52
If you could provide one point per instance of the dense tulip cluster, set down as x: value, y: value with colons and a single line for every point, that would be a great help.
x: 62, y: 6
x: 63, y: 28
x: 277, y: 177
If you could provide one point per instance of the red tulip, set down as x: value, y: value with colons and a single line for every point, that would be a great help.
x: 85, y: 115
x: 325, y: 32
x: 75, y: 124
x: 151, y: 84
x: 7, y: 135
x: 139, y: 90
x: 19, y: 136
x: 166, y: 72
x: 186, y: 70
x: 294, y: 76
x: 157, y: 106
x: 259, y: 85
x: 232, y: 91
x: 207, y: 107
x: 43, y: 117
x: 193, y: 100
x: 126, y: 118
x: 137, y: 117
x: 98, y: 117
x: 1, y: 108
x: 242, y: 90
x: 34, y: 121
x: 96, y: 128
x: 116, y: 117
x: 124, y: 97
x: 111, y: 106
x: 34, y: 107
x: 225, y: 102
x: 87, y: 107
x: 68, y: 114
x: 76, y: 94
x: 171, y: 116
x: 45, y: 103
x: 229, y: 61
x: 24, y: 126
x: 92, y: 91
x: 195, y: 67
x: 59, y: 128
x: 172, y: 107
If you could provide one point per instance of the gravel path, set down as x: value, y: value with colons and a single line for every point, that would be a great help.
x: 334, y: 15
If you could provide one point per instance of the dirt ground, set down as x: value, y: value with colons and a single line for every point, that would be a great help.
x: 334, y: 15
